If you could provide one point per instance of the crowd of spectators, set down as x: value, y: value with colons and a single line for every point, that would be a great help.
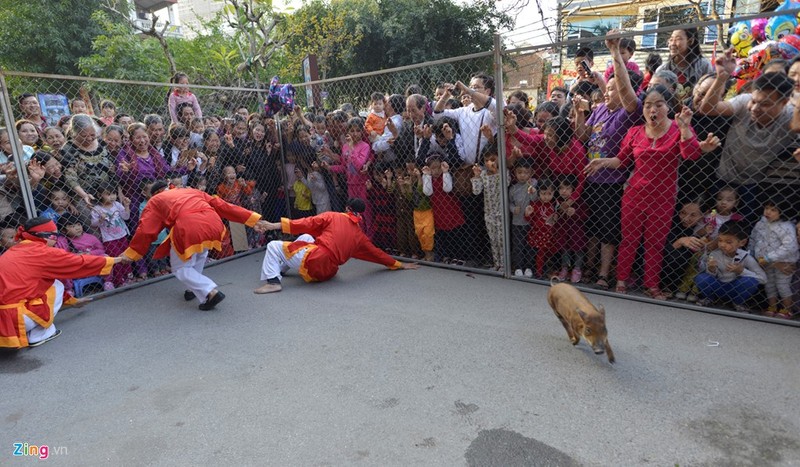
x: 664, y: 180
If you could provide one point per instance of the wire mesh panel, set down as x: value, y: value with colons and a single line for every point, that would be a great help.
x: 634, y: 169
x: 96, y: 147
x: 675, y: 179
x: 413, y: 145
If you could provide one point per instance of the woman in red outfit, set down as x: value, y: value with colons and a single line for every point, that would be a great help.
x: 555, y: 150
x: 648, y: 203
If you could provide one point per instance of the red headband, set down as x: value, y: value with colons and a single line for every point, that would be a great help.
x: 29, y: 234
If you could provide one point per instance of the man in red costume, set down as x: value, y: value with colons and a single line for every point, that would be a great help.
x: 328, y: 240
x: 30, y: 294
x: 195, y: 220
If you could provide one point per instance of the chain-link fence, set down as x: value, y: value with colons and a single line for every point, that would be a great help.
x: 593, y: 173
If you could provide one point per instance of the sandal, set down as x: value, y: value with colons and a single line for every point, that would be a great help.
x: 621, y: 288
x: 655, y: 293
x: 602, y: 283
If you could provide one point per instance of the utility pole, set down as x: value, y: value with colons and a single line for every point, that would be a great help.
x: 556, y: 52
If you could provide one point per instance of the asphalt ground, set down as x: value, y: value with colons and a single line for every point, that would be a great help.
x: 397, y: 368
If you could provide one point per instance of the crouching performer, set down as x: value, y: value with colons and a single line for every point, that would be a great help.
x: 326, y: 242
x: 30, y: 293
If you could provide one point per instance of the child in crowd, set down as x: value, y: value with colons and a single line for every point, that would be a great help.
x: 402, y: 188
x: 196, y: 133
x: 108, y: 111
x: 302, y: 195
x: 78, y: 106
x: 448, y: 218
x: 569, y: 233
x: 319, y: 189
x: 109, y: 216
x: 181, y: 94
x: 541, y: 215
x: 233, y: 190
x: 319, y: 134
x: 724, y: 210
x: 424, y: 225
x: 291, y: 163
x: 75, y: 240
x: 726, y: 201
x: 730, y: 272
x: 384, y: 224
x: 520, y: 196
x: 355, y: 164
x: 488, y: 182
x: 7, y: 238
x: 153, y: 267
x: 200, y: 183
x: 627, y: 47
x: 59, y: 204
x: 376, y: 120
x: 775, y: 247
x: 685, y: 245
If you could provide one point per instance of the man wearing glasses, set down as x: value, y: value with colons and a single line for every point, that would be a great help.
x: 30, y: 293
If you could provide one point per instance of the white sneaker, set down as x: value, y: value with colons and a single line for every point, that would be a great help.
x: 680, y: 295
x: 518, y: 272
x: 528, y: 273
x: 691, y: 298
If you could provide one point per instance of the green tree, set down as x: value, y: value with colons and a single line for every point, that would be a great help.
x: 45, y: 36
x: 388, y: 34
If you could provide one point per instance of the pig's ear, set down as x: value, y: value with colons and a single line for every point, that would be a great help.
x: 601, y: 310
x: 581, y: 313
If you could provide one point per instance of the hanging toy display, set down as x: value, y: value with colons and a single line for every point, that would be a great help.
x: 280, y: 98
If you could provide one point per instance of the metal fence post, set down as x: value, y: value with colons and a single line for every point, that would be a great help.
x: 501, y: 154
x: 16, y: 150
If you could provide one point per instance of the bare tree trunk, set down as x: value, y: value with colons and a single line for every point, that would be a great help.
x: 152, y: 32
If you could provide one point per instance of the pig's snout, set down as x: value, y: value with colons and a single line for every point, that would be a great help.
x: 599, y: 349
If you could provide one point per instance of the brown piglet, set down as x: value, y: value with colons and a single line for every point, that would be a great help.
x: 580, y: 318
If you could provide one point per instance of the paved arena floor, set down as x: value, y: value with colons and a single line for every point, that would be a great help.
x: 397, y: 368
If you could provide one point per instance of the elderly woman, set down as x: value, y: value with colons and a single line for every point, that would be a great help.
x: 86, y: 160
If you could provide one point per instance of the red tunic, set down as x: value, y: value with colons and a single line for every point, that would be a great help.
x: 27, y: 272
x: 337, y: 238
x: 194, y: 219
x: 542, y: 223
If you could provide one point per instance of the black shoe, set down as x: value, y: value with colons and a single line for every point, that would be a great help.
x: 212, y: 302
x: 188, y: 295
x: 37, y: 344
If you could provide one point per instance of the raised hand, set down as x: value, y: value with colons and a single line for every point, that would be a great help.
x: 35, y: 171
x: 726, y: 63
x: 426, y: 170
x: 612, y: 40
x: 684, y: 119
x: 392, y: 128
x: 476, y: 170
x: 427, y: 131
x: 711, y: 142
x: 445, y: 167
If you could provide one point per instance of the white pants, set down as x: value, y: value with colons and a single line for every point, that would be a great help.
x: 275, y: 261
x: 37, y: 333
x: 190, y: 273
